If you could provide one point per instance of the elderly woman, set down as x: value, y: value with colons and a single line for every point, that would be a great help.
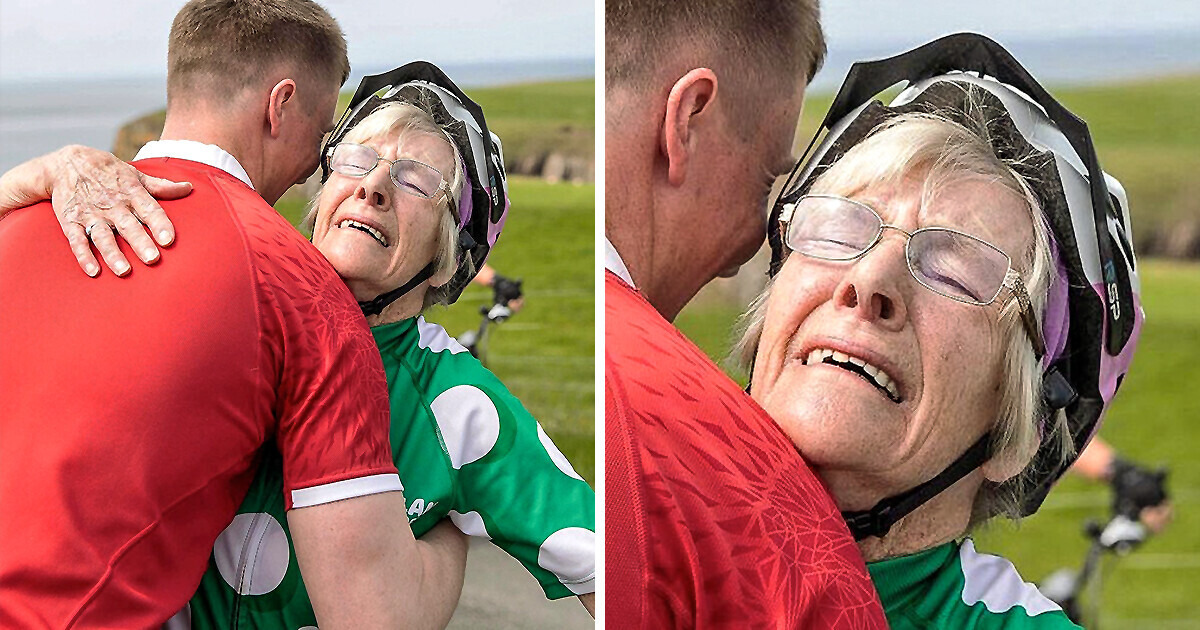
x: 913, y: 342
x: 413, y: 200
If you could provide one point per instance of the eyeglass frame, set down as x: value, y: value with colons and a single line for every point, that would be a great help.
x: 443, y: 187
x: 1011, y: 281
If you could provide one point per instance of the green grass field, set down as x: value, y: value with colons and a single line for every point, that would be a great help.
x: 544, y: 353
x: 1148, y: 136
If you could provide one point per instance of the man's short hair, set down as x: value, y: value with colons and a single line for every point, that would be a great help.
x: 218, y: 47
x: 754, y: 39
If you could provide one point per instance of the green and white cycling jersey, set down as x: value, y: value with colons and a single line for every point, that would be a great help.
x: 954, y: 586
x: 466, y: 449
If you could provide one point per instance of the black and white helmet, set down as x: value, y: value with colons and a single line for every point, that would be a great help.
x: 482, y: 207
x: 1093, y: 314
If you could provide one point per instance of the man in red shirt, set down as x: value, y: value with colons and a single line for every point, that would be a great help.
x: 712, y: 517
x: 133, y: 410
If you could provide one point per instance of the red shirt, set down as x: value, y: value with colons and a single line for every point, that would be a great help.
x: 712, y: 518
x: 132, y: 410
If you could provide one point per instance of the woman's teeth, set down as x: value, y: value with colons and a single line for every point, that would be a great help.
x: 351, y: 223
x: 876, y: 376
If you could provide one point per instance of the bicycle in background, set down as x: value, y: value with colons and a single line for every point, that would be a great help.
x: 507, y: 299
x: 1078, y: 591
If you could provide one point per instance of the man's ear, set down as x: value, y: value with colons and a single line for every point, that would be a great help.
x: 690, y: 99
x: 282, y: 95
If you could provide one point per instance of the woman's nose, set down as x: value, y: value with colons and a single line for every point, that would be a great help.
x: 873, y: 284
x: 373, y: 188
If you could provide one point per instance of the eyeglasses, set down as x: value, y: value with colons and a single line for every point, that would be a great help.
x: 948, y: 262
x: 413, y: 177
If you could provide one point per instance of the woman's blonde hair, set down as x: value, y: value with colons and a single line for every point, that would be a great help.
x: 946, y: 152
x: 394, y: 121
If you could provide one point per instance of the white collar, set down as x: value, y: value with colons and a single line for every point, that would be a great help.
x: 209, y: 154
x: 613, y: 263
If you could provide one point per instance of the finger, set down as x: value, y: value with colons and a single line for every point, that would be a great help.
x: 153, y: 216
x: 1156, y: 517
x: 134, y: 233
x: 165, y: 188
x: 106, y: 243
x: 81, y: 248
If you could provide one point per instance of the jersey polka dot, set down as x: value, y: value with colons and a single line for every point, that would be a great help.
x: 570, y: 554
x: 470, y: 524
x: 468, y: 421
x: 556, y: 455
x: 435, y: 338
x: 261, y: 541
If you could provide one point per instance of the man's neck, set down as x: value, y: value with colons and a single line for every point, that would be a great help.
x: 657, y: 262
x: 235, y: 136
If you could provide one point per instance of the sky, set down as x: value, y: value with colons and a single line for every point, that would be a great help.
x: 861, y: 22
x: 80, y: 38
x: 107, y: 39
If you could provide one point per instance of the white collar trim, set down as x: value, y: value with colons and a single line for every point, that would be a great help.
x: 613, y: 263
x: 209, y: 154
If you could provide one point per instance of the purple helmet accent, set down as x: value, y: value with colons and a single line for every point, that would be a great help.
x: 465, y: 197
x: 1057, y: 321
x: 1093, y: 314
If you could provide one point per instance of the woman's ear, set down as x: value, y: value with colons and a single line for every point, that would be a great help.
x: 444, y: 274
x: 1008, y: 463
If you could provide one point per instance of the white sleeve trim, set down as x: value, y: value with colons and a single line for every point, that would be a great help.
x: 346, y: 489
x: 581, y: 588
x: 995, y: 582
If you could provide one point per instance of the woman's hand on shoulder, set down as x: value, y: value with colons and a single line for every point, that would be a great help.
x: 95, y: 196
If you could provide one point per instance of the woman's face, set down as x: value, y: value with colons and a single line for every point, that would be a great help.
x: 944, y: 357
x: 407, y: 225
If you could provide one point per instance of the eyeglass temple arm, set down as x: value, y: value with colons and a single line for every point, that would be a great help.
x: 1012, y: 280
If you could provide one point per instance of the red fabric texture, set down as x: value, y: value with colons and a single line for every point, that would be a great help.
x: 712, y: 519
x: 132, y: 410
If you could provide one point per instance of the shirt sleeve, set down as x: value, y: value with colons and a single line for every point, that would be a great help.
x: 331, y: 404
x: 516, y: 487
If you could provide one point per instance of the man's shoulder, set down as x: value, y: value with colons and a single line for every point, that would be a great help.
x: 638, y: 340
x: 658, y: 367
x: 257, y: 226
x: 675, y: 402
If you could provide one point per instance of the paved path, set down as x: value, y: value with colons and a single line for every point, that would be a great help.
x: 499, y: 593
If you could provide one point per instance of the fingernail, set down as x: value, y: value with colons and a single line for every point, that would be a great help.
x: 122, y: 269
x: 164, y: 237
x: 91, y: 270
x: 150, y: 255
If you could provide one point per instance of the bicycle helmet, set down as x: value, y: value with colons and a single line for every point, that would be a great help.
x: 1093, y: 313
x: 483, y: 204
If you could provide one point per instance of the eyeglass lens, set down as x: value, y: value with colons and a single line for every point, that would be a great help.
x: 410, y: 176
x: 955, y: 265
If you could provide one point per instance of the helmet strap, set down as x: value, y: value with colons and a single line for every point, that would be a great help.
x: 878, y: 520
x: 376, y: 306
